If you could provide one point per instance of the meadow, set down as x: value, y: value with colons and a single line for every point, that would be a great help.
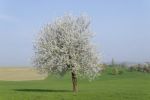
x: 125, y: 86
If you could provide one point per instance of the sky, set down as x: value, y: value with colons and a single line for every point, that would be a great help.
x: 122, y: 27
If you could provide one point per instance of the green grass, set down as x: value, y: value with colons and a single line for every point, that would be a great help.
x: 126, y: 86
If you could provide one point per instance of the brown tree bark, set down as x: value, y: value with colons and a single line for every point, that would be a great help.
x: 74, y: 82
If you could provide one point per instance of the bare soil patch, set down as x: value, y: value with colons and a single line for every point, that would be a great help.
x: 20, y: 74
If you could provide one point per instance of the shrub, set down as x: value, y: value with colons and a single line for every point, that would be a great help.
x: 117, y: 71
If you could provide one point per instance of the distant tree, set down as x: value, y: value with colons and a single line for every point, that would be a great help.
x: 113, y: 62
x: 65, y: 45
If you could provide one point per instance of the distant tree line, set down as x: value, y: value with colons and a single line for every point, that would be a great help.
x: 118, y: 68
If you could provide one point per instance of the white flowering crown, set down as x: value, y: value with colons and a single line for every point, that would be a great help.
x: 65, y: 45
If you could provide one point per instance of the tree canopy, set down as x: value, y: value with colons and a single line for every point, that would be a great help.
x: 65, y: 45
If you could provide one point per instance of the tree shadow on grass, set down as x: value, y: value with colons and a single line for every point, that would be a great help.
x: 41, y: 90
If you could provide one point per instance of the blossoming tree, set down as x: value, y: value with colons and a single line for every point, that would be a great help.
x: 65, y: 45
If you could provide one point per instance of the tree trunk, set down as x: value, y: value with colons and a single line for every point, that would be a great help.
x: 74, y: 81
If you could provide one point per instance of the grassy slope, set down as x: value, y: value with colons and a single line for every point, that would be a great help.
x: 128, y: 86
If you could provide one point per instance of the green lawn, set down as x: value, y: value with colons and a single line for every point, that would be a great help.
x: 127, y: 86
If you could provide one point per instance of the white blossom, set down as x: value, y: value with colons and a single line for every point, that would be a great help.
x: 65, y: 45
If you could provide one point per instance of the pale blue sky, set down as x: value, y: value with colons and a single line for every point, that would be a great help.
x: 122, y: 27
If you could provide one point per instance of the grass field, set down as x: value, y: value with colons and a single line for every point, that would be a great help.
x: 127, y: 86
